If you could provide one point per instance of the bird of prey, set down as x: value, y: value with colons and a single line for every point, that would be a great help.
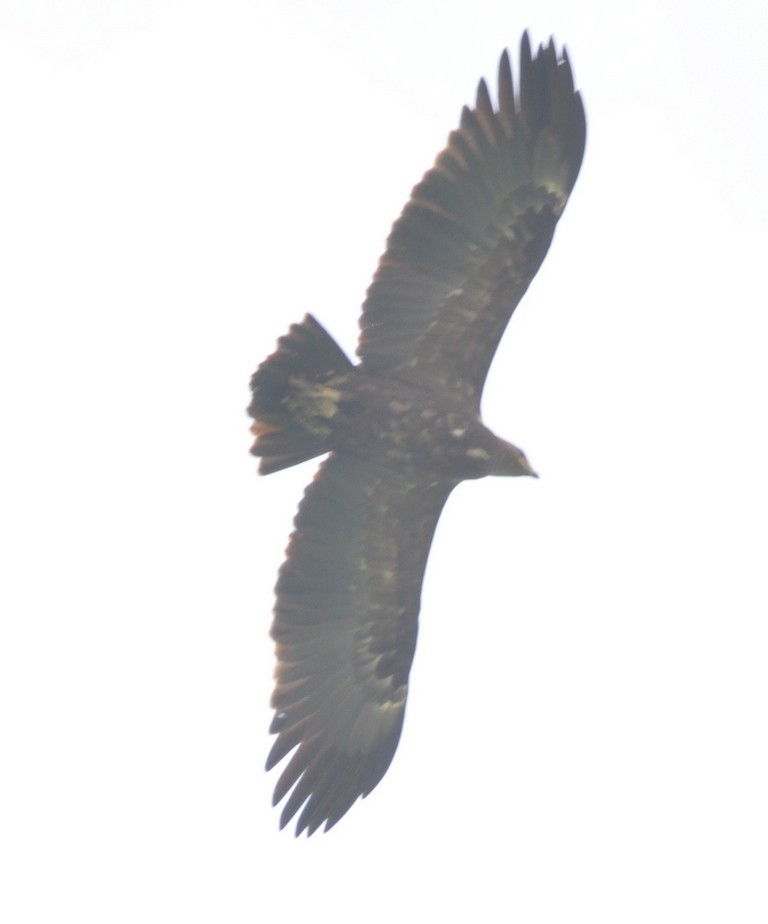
x: 402, y: 428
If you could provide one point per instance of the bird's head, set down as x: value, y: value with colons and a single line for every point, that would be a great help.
x: 509, y: 460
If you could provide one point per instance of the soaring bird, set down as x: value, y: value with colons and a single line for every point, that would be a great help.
x: 402, y: 428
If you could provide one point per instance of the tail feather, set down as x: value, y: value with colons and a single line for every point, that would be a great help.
x: 294, y: 398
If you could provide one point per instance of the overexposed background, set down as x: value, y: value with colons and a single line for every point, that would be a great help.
x: 586, y: 737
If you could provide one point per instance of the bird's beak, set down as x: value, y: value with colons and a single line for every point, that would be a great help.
x: 525, y: 465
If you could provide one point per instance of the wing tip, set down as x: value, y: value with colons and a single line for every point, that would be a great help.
x: 548, y: 100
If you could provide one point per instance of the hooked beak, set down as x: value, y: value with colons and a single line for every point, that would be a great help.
x: 527, y: 467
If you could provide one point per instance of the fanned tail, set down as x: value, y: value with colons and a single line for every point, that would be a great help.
x: 294, y: 398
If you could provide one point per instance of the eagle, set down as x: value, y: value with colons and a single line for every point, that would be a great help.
x: 401, y: 429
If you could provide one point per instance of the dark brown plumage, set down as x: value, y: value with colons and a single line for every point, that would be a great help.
x: 402, y: 428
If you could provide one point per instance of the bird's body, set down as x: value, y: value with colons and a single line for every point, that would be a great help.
x: 413, y: 431
x: 402, y: 428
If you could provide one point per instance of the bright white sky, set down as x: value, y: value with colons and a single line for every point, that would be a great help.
x: 586, y: 738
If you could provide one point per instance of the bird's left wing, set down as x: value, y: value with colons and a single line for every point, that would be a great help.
x: 345, y: 628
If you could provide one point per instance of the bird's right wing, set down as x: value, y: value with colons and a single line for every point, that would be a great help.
x: 475, y: 230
